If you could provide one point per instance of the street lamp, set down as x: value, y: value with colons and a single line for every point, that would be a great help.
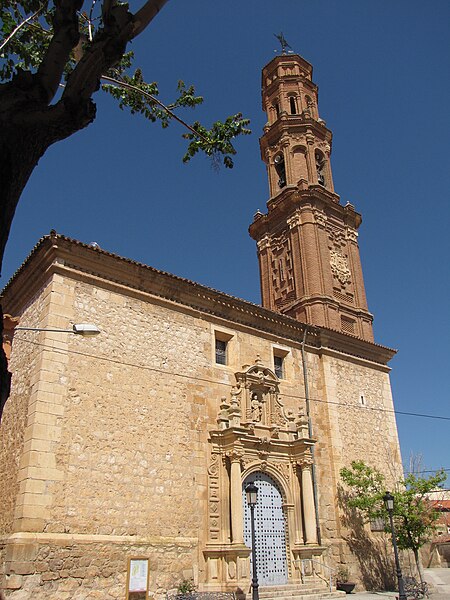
x: 388, y: 500
x: 251, y: 492
x: 83, y: 329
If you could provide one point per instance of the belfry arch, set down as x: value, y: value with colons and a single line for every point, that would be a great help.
x: 256, y: 434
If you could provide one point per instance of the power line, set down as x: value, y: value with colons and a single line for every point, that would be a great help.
x: 206, y: 380
x: 429, y: 470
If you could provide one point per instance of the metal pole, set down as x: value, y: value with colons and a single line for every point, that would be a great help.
x: 255, y: 593
x: 401, y: 587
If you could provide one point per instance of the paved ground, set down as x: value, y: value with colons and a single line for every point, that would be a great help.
x: 372, y: 595
x: 438, y: 578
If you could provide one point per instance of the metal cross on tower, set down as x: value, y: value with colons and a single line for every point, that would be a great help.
x: 284, y: 45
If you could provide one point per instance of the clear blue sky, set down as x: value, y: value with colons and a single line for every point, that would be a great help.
x: 383, y: 72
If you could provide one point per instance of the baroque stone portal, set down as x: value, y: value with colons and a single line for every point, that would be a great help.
x: 257, y: 435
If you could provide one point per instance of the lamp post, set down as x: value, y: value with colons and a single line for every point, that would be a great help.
x: 251, y: 492
x: 388, y: 500
x: 83, y: 329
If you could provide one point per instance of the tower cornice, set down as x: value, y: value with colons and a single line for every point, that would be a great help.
x: 305, y: 69
x: 297, y: 129
x: 290, y: 199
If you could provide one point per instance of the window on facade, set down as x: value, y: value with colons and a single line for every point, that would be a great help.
x: 280, y: 168
x: 377, y: 524
x: 221, y: 352
x: 279, y: 367
x: 362, y: 400
x: 347, y: 325
x: 293, y: 105
x: 277, y: 108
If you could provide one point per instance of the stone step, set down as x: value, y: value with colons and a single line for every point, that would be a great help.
x: 309, y: 595
x: 323, y: 593
x: 308, y: 591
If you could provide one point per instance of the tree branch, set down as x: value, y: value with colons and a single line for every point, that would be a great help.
x: 109, y: 44
x: 19, y: 27
x: 106, y: 50
x: 133, y: 88
x: 65, y: 38
x: 145, y: 15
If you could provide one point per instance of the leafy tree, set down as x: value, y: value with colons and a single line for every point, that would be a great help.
x: 414, y: 516
x: 55, y: 54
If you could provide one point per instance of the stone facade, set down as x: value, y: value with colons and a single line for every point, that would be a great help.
x: 137, y: 443
x: 124, y: 444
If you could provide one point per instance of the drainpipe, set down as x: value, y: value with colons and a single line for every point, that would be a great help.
x: 310, y: 433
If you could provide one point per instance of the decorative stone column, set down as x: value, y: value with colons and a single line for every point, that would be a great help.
x: 237, y: 517
x: 308, y: 502
x: 310, y: 160
x: 265, y: 271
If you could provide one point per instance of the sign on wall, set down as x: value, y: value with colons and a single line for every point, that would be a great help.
x: 138, y: 578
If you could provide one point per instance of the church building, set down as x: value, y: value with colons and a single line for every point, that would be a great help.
x: 128, y: 454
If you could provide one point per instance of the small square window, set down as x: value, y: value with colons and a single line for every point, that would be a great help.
x: 279, y: 367
x: 377, y: 524
x: 221, y: 352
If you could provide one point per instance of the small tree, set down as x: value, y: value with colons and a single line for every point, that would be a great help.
x: 415, y: 517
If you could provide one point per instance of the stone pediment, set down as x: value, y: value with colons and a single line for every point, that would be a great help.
x: 257, y: 374
x: 255, y: 403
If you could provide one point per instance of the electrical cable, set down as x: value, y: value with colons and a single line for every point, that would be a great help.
x: 196, y: 378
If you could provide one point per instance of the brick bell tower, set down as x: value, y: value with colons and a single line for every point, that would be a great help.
x: 308, y: 252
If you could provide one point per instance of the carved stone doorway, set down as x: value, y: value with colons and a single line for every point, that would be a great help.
x: 270, y: 530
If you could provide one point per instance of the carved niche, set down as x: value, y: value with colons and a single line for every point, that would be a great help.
x: 256, y: 392
x: 338, y: 257
x: 339, y: 267
x: 282, y: 269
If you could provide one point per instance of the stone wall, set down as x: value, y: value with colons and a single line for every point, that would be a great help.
x: 25, y: 361
x: 120, y: 432
x: 361, y: 427
x: 80, y: 568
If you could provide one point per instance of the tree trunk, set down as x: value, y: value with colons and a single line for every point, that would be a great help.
x: 419, y: 565
x: 29, y: 123
x: 19, y: 154
x: 17, y: 160
x: 26, y: 133
x: 25, y: 136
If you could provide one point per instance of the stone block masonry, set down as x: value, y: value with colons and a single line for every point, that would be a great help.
x: 108, y: 445
x: 89, y: 567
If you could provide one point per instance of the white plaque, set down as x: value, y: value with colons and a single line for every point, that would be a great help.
x: 138, y: 575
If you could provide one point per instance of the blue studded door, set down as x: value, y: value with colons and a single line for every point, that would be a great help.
x: 270, y: 532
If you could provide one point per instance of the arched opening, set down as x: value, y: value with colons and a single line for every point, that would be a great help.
x: 280, y: 168
x: 293, y: 105
x: 276, y: 106
x: 270, y: 529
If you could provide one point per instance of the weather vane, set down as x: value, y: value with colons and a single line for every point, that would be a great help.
x: 280, y: 37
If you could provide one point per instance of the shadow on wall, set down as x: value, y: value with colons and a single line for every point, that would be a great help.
x: 373, y: 552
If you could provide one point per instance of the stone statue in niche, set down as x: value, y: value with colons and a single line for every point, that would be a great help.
x: 256, y: 407
x: 256, y: 394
